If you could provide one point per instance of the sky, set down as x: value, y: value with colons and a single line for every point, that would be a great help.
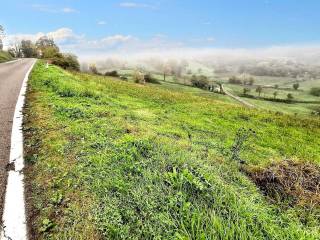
x: 97, y: 26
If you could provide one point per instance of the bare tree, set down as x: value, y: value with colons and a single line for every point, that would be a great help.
x: 2, y: 34
x: 15, y: 48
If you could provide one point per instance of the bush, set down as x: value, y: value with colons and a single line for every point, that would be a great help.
x: 150, y: 79
x: 234, y: 80
x: 112, y: 74
x: 138, y: 77
x: 93, y: 69
x: 290, y: 97
x: 200, y: 82
x: 315, y: 91
x: 66, y: 61
x: 246, y: 91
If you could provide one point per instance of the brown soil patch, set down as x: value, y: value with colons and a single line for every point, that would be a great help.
x: 289, y: 182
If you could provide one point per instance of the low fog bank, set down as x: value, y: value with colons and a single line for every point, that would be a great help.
x: 277, y: 60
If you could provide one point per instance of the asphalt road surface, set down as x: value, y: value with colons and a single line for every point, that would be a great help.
x: 11, y: 78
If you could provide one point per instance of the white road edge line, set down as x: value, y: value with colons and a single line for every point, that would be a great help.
x: 14, y: 214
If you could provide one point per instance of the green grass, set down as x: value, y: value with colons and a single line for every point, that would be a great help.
x: 292, y: 108
x: 5, y: 57
x: 108, y: 159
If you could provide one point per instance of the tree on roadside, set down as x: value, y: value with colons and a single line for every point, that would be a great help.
x: 259, y: 90
x: 28, y: 49
x: 15, y: 49
x: 1, y: 37
x: 47, y: 47
x: 296, y: 86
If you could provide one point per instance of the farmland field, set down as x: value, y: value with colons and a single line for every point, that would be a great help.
x: 109, y: 159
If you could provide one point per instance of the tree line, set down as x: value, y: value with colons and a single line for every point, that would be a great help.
x: 43, y: 48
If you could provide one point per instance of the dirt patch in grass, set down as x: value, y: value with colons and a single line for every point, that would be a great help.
x: 289, y: 182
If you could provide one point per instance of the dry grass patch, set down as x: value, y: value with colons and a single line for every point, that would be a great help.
x: 296, y: 183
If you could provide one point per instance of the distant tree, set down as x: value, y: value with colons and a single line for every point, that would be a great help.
x: 296, y: 86
x: 112, y: 74
x: 276, y: 86
x: 259, y: 90
x: 275, y: 94
x: 28, y: 49
x: 234, y: 80
x: 246, y: 91
x: 93, y: 69
x: 315, y: 91
x: 150, y: 79
x: 290, y: 97
x: 251, y: 81
x: 138, y: 77
x: 200, y: 81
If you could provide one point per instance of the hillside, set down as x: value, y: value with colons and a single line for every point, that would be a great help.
x: 109, y: 159
x: 5, y: 57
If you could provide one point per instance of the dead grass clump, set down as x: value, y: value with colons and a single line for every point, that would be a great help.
x: 289, y: 182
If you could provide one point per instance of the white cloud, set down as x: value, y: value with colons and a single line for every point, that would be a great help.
x: 61, y: 36
x: 116, y: 39
x: 51, y: 9
x: 101, y: 23
x: 159, y: 45
x: 69, y: 10
x: 64, y: 34
x: 136, y: 5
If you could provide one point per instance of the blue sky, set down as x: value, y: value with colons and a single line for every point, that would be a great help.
x: 189, y: 23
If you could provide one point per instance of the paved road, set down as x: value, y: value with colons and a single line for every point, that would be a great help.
x: 11, y: 78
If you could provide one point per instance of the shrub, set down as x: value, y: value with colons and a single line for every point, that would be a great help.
x: 150, y: 79
x: 66, y: 61
x: 234, y: 80
x: 315, y: 91
x: 138, y: 77
x: 246, y: 91
x: 296, y: 86
x: 93, y: 69
x: 290, y: 97
x: 112, y: 74
x: 200, y: 82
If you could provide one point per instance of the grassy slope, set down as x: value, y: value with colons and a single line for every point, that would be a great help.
x: 116, y: 160
x: 5, y: 57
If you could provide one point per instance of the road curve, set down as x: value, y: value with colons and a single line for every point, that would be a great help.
x: 239, y: 99
x: 11, y: 78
